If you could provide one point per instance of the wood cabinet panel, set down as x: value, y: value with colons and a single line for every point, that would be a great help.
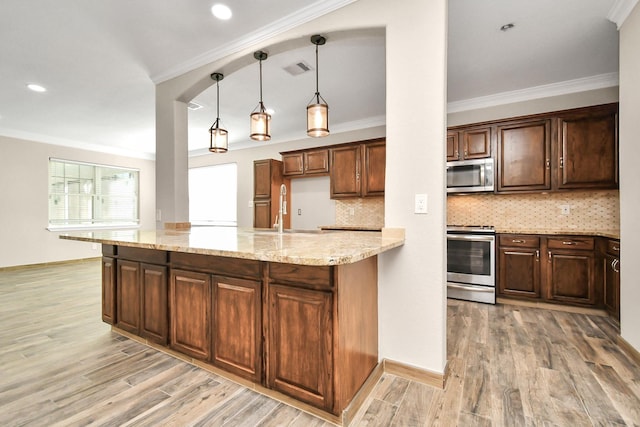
x: 128, y: 296
x: 570, y: 276
x: 476, y: 143
x: 109, y: 290
x: 316, y: 162
x: 293, y: 164
x: 267, y: 179
x: 262, y: 214
x: 374, y: 164
x: 345, y: 172
x: 524, y: 156
x: 453, y: 146
x: 573, y: 242
x: 519, y: 272
x: 154, y: 287
x: 300, y: 323
x: 262, y: 179
x: 190, y: 308
x: 588, y: 149
x: 237, y: 326
x: 611, y: 285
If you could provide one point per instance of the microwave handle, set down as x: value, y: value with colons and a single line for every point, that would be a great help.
x: 482, y: 181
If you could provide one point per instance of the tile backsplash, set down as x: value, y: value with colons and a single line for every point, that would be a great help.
x: 360, y: 212
x: 588, y: 210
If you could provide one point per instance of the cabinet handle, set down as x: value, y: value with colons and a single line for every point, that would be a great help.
x: 537, y: 255
x: 616, y: 248
x: 549, y: 255
x: 569, y: 243
x: 614, y: 265
x: 517, y: 241
x: 561, y: 162
x: 548, y: 163
x: 457, y: 154
x: 466, y: 153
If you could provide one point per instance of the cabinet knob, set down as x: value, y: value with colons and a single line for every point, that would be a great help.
x: 616, y: 248
x: 537, y: 255
x: 549, y: 255
x: 561, y: 162
x: 548, y: 163
x: 569, y: 243
x: 517, y: 241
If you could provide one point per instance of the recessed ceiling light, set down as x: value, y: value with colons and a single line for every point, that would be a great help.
x: 36, y: 88
x: 221, y: 11
x: 507, y: 27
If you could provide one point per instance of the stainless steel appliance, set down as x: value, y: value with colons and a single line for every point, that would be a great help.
x: 470, y: 176
x: 471, y: 263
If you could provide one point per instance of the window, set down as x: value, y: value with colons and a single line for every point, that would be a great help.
x: 213, y: 195
x: 87, y: 195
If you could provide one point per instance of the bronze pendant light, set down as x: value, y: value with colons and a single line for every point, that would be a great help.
x: 260, y: 119
x: 318, y: 112
x: 219, y: 141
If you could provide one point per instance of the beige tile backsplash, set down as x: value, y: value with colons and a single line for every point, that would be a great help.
x: 360, y: 212
x: 589, y: 210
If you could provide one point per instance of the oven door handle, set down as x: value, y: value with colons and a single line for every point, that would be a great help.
x: 474, y: 237
x: 487, y: 289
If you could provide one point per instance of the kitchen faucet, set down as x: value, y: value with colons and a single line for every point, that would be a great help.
x: 283, y: 207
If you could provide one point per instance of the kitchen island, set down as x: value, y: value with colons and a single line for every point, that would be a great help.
x: 293, y: 313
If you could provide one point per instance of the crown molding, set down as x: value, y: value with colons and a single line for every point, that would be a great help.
x: 302, y: 16
x: 620, y: 11
x: 554, y: 89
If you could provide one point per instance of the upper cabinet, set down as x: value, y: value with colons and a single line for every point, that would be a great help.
x: 267, y: 178
x: 588, y: 148
x: 469, y: 143
x: 358, y: 170
x: 306, y: 163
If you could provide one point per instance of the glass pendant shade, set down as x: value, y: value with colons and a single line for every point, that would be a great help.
x: 260, y: 119
x: 219, y: 137
x: 318, y: 111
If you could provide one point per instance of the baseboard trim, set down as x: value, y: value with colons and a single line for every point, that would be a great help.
x: 349, y: 413
x: 413, y: 373
x: 49, y: 264
x: 549, y: 306
x: 629, y: 349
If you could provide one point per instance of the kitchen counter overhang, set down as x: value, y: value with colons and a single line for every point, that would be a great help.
x: 304, y: 247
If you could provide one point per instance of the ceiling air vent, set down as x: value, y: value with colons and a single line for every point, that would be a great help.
x: 193, y: 106
x: 298, y: 68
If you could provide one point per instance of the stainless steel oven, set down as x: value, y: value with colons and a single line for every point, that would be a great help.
x: 471, y: 263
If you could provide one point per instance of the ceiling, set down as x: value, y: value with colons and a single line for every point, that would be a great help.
x: 100, y: 60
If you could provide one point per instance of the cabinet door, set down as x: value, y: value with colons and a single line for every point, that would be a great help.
x: 300, y: 323
x: 345, y: 172
x: 374, y: 155
x: 453, y: 146
x: 588, y: 150
x: 519, y: 272
x: 292, y: 164
x: 190, y: 302
x: 524, y: 156
x: 108, y: 290
x: 154, y: 303
x: 570, y: 276
x: 262, y: 179
x: 611, y: 267
x: 476, y: 143
x: 262, y: 214
x: 316, y: 162
x: 128, y: 296
x: 237, y: 326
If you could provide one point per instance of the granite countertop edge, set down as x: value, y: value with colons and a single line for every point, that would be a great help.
x: 611, y: 234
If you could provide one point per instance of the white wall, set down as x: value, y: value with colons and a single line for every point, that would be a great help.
x: 24, y: 215
x: 412, y: 299
x: 311, y: 205
x: 630, y: 177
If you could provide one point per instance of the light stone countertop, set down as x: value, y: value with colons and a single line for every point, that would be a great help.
x: 612, y: 234
x: 292, y: 247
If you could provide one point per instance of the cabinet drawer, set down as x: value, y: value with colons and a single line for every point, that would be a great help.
x: 613, y: 247
x: 224, y: 266
x: 584, y: 243
x: 519, y: 240
x: 301, y: 275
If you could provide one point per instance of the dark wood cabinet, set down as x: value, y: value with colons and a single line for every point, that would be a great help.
x: 306, y: 163
x: 611, y: 278
x: 588, y: 148
x: 524, y: 155
x: 237, y: 326
x: 469, y: 143
x: 519, y: 269
x: 190, y: 302
x: 571, y: 270
x: 109, y: 290
x: 301, y: 324
x: 154, y: 320
x: 358, y: 170
x: 267, y: 179
x: 128, y: 296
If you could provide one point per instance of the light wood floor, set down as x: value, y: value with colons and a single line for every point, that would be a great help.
x: 60, y: 365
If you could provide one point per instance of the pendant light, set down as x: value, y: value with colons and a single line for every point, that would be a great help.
x: 260, y: 119
x: 318, y: 112
x: 219, y: 141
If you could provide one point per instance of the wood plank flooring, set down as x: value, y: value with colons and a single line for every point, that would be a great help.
x: 61, y: 366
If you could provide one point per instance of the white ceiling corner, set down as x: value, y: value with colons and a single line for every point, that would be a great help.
x: 620, y: 11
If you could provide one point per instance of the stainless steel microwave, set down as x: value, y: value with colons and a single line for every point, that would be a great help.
x: 467, y: 176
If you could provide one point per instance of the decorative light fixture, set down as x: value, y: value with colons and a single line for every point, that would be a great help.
x: 221, y: 11
x: 318, y: 112
x: 260, y: 119
x: 219, y: 142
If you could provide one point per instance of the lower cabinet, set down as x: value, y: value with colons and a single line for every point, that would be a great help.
x: 128, y: 296
x: 154, y: 318
x: 108, y: 290
x: 611, y: 278
x: 300, y: 323
x: 564, y: 274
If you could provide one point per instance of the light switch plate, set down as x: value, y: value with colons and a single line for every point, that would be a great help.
x: 421, y: 204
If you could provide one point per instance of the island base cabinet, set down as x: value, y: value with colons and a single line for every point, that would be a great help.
x: 154, y: 324
x: 190, y: 308
x: 237, y: 321
x: 108, y: 290
x: 128, y: 296
x: 300, y: 344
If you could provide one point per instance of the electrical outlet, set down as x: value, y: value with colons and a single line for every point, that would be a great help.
x: 158, y: 215
x: 352, y: 211
x: 565, y: 209
x: 421, y: 204
x: 250, y: 204
x: 299, y: 212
